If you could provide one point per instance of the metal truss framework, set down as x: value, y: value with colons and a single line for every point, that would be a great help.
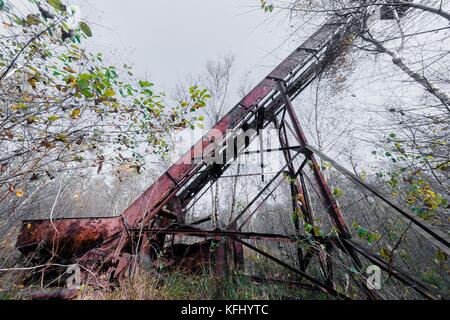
x: 111, y: 245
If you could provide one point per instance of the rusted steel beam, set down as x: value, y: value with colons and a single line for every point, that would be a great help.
x: 325, y: 193
x: 269, y: 150
x: 438, y: 238
x: 323, y: 287
x: 200, y: 221
x: 246, y: 175
x: 263, y: 189
x: 190, y: 231
x: 260, y: 204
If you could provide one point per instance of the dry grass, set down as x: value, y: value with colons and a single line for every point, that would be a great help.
x: 206, y: 286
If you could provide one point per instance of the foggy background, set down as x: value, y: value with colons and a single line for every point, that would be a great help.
x: 167, y: 40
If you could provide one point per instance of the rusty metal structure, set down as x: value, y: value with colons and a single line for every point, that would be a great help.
x: 111, y: 246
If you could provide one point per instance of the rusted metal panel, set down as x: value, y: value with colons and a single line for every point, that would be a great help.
x: 213, y: 254
x: 238, y: 255
x: 67, y: 238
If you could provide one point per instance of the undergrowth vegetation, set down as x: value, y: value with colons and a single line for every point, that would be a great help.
x: 179, y: 285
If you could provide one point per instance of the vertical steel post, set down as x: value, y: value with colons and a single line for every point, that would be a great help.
x: 325, y: 193
x: 295, y: 186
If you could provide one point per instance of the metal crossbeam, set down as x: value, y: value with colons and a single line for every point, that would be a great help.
x: 438, y: 238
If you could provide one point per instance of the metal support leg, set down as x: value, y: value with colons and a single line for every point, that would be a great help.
x: 325, y: 193
x: 295, y: 187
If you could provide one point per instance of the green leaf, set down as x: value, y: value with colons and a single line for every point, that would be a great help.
x: 33, y: 20
x: 83, y: 84
x: 371, y: 237
x: 144, y: 84
x: 61, y: 137
x: 85, y: 76
x: 308, y: 227
x: 441, y: 256
x: 86, y: 92
x: 53, y: 118
x: 85, y: 28
x: 362, y: 232
x: 385, y: 253
x: 19, y: 21
x: 110, y: 93
x: 75, y: 114
x: 338, y: 193
x: 294, y: 217
x: 57, y: 4
x: 317, y: 231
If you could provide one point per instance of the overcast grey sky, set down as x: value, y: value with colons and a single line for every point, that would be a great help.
x: 166, y: 40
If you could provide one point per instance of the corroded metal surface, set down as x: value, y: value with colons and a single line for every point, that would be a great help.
x: 66, y: 238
